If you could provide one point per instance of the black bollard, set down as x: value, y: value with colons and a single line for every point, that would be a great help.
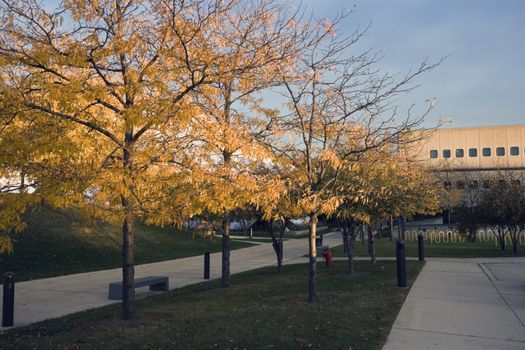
x: 401, y: 264
x: 421, y: 247
x: 9, y: 300
x: 207, y: 264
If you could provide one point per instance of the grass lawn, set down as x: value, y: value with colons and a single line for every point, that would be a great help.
x: 262, y: 310
x: 59, y: 242
x: 385, y: 247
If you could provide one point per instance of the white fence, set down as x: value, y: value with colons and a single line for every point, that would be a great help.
x: 451, y: 235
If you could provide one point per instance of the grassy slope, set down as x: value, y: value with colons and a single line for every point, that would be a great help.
x: 385, y: 247
x: 262, y: 310
x: 58, y: 242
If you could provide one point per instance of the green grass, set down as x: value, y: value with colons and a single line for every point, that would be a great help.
x: 262, y: 310
x: 58, y: 242
x: 385, y: 247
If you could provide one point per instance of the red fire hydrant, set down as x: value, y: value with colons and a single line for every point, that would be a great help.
x: 327, y: 254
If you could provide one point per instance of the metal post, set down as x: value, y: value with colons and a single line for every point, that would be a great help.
x: 401, y: 264
x: 421, y: 247
x: 207, y: 264
x: 9, y: 300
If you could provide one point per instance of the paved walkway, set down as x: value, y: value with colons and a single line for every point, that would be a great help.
x: 49, y: 298
x: 463, y: 304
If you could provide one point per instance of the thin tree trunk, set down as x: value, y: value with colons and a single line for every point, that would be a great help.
x: 312, y: 291
x: 128, y: 242
x: 345, y: 238
x: 501, y: 237
x: 128, y: 268
x: 348, y: 243
x: 372, y: 246
x: 225, y: 276
x: 514, y: 235
x: 281, y: 249
x: 391, y: 228
x: 362, y: 233
x: 368, y: 241
x: 22, y: 181
x: 277, y: 245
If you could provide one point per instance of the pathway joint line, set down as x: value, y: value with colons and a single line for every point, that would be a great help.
x: 457, y: 334
x: 504, y: 300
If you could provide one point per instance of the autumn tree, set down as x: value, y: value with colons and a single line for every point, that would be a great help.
x: 391, y: 186
x: 121, y: 78
x: 230, y: 128
x: 335, y: 97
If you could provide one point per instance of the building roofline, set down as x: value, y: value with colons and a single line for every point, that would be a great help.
x: 480, y: 127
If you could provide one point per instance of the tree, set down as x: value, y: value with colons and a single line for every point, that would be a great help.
x: 503, y: 208
x: 232, y: 123
x: 334, y: 99
x: 389, y: 185
x: 120, y: 78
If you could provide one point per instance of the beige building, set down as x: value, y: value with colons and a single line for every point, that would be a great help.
x: 477, y: 148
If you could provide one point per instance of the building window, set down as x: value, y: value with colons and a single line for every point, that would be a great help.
x: 500, y: 151
x: 446, y: 153
x: 460, y: 153
x: 433, y: 154
x: 473, y: 152
x: 514, y: 151
x: 473, y: 184
x: 447, y: 185
x: 460, y: 185
x: 486, y: 152
x: 515, y: 182
x: 486, y: 183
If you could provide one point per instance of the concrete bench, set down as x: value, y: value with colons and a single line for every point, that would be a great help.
x: 155, y: 283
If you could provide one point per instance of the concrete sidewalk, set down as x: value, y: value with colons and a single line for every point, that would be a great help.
x: 463, y: 304
x: 49, y: 298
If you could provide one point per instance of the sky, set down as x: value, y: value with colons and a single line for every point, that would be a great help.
x: 482, y: 80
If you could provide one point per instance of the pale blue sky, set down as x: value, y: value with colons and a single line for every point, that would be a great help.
x: 481, y: 83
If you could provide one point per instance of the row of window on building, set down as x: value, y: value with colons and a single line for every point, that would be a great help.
x: 474, y: 184
x: 473, y: 152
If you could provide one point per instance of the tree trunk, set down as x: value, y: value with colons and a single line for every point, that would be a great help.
x: 312, y: 291
x: 372, y: 246
x: 362, y: 233
x: 501, y: 241
x: 277, y: 245
x: 225, y: 276
x: 501, y: 237
x: 348, y: 244
x: 515, y: 238
x: 281, y: 249
x: 128, y: 267
x: 391, y: 228
x: 128, y: 240
x: 345, y: 238
x: 368, y: 242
